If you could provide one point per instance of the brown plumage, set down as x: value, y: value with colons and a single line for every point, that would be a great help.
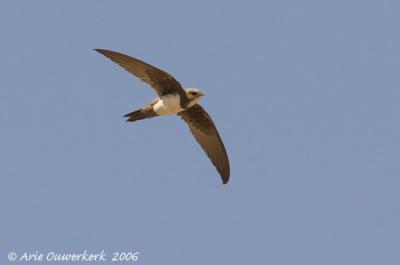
x: 145, y: 112
x: 173, y: 99
x: 203, y: 129
x: 162, y: 82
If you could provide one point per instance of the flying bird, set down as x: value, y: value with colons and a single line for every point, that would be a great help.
x: 173, y: 99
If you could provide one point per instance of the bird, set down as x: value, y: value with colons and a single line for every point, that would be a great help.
x: 173, y: 99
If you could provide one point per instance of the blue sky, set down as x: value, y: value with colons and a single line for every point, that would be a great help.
x: 305, y: 95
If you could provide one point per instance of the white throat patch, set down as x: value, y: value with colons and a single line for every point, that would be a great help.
x: 167, y: 105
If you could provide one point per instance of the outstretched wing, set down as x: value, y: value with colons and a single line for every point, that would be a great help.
x: 203, y: 129
x: 162, y: 82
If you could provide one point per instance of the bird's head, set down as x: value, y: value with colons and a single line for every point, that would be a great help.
x: 193, y: 95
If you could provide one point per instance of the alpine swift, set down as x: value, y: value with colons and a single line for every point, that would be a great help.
x: 173, y: 99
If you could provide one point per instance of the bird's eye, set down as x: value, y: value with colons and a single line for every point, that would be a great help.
x: 193, y: 93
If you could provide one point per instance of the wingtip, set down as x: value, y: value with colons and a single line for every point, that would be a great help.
x: 102, y: 51
x: 225, y: 180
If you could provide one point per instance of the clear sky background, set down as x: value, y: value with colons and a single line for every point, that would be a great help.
x: 305, y: 95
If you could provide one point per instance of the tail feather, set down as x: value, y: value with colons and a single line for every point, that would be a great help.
x: 140, y: 115
x: 135, y: 115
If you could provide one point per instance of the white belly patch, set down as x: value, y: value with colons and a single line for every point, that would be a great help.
x: 168, y: 105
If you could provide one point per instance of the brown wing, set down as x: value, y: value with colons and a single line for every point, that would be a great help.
x: 162, y: 82
x: 203, y: 129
